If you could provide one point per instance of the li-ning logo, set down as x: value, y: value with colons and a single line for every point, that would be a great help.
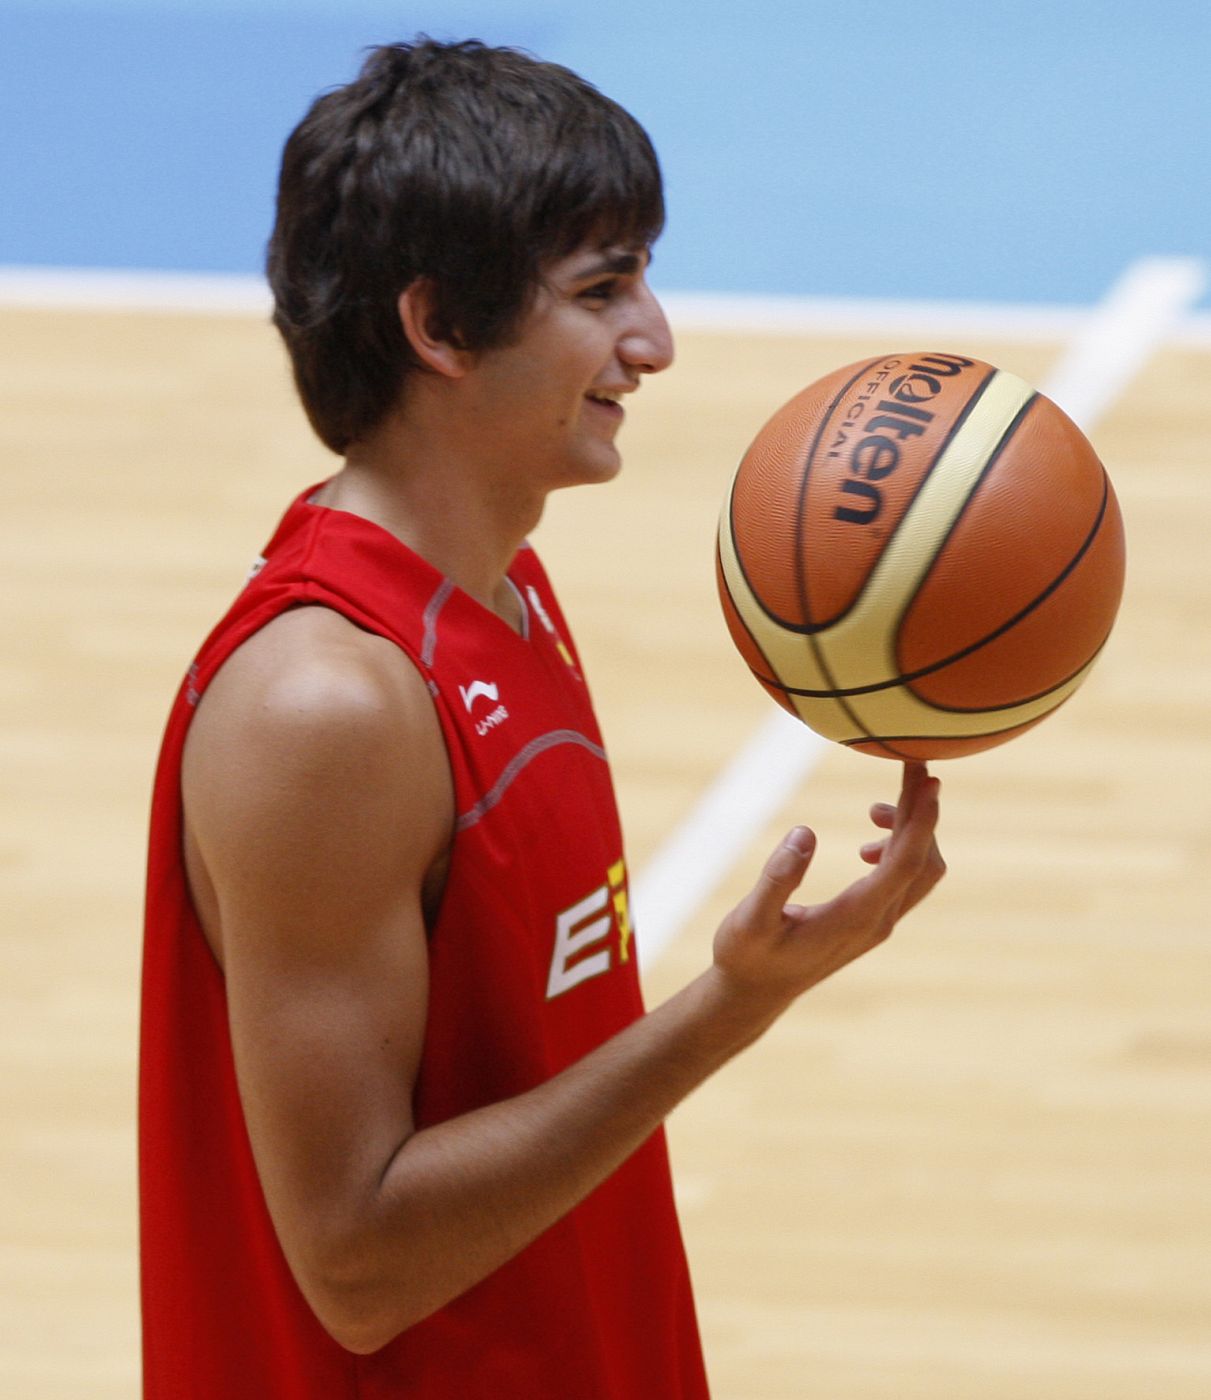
x: 484, y: 690
x: 899, y: 418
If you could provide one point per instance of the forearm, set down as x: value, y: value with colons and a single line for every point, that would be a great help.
x: 459, y: 1199
x: 454, y: 1202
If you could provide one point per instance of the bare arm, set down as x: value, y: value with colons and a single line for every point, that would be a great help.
x: 318, y: 807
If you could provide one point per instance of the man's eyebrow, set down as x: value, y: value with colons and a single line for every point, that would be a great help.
x: 620, y: 264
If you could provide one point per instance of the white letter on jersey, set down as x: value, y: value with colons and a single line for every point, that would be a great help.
x: 573, y: 936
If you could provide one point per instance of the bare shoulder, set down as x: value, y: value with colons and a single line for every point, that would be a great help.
x: 316, y: 742
x: 310, y: 689
x: 313, y: 667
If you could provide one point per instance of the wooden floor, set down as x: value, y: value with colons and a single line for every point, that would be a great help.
x: 975, y: 1167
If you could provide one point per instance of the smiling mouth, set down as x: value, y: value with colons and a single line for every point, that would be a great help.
x: 608, y: 405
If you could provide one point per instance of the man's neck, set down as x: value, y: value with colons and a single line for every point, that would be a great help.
x: 440, y: 505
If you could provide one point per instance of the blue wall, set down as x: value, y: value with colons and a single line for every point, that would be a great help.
x: 986, y: 151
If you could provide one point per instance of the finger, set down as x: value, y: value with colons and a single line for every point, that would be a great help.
x: 889, y: 817
x: 783, y: 871
x: 911, y: 846
x: 901, y: 860
x: 930, y: 873
x: 915, y: 780
x: 917, y: 788
x: 885, y: 815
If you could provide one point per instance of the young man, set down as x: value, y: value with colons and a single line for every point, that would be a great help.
x: 401, y: 1105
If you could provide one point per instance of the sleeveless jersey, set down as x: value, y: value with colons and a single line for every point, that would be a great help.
x: 532, y: 964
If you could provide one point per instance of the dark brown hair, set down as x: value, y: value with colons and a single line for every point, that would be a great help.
x: 467, y: 165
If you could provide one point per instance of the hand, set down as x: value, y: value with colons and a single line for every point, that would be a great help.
x: 769, y: 947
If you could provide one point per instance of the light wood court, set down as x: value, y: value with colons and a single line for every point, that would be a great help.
x: 974, y: 1167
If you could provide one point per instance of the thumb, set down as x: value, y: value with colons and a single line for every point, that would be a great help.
x: 784, y: 870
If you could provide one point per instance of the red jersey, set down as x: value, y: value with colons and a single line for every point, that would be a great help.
x: 532, y: 965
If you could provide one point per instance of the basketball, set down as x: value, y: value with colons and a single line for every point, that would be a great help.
x: 920, y: 556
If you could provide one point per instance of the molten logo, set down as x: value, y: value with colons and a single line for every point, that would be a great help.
x: 898, y: 417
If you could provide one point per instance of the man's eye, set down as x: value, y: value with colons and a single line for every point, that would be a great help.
x: 599, y: 291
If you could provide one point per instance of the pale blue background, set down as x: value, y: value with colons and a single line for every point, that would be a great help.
x: 967, y: 149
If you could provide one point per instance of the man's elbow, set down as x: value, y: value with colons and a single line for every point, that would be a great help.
x: 360, y: 1313
x: 363, y: 1336
x: 356, y: 1317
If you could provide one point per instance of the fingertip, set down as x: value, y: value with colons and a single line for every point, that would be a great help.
x: 790, y: 859
x: 801, y: 840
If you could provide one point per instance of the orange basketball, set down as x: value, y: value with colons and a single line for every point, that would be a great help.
x: 920, y: 556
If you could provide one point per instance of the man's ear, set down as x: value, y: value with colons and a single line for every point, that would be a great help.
x: 430, y: 340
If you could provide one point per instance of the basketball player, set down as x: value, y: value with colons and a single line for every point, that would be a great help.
x: 401, y: 1104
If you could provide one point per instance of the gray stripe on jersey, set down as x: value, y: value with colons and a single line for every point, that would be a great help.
x: 517, y: 763
x: 432, y: 608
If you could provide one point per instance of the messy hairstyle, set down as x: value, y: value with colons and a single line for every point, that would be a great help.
x: 472, y: 167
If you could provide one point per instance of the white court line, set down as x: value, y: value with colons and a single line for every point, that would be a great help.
x: 113, y: 289
x: 729, y: 314
x: 1120, y: 336
x: 220, y: 294
x: 737, y: 313
x: 1140, y: 312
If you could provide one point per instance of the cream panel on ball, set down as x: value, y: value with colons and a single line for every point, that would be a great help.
x: 792, y: 660
x: 860, y: 650
x: 897, y: 713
